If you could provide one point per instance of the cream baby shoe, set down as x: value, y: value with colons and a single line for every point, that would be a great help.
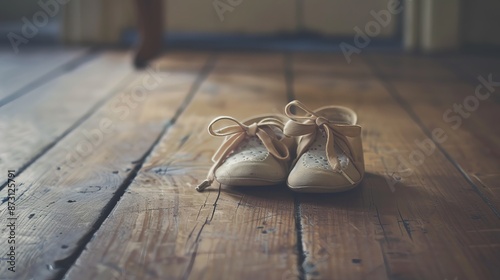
x: 255, y: 152
x: 329, y: 151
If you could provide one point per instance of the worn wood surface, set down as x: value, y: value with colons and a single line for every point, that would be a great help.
x: 79, y: 180
x: 33, y: 123
x: 410, y: 67
x: 163, y: 229
x: 32, y: 66
x: 123, y: 206
x: 471, y: 135
x: 406, y: 221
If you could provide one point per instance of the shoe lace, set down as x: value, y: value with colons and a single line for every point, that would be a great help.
x: 309, y: 124
x: 236, y: 133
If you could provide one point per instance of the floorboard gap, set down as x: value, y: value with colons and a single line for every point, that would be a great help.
x: 121, y: 85
x: 301, y: 260
x: 301, y: 256
x: 51, y: 75
x: 68, y: 262
x: 290, y: 94
x: 413, y: 115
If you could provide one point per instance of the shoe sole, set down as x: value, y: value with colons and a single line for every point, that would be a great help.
x: 322, y: 189
x: 248, y: 182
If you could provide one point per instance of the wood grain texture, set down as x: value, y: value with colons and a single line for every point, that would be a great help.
x: 334, y: 65
x: 35, y: 121
x: 411, y: 67
x: 19, y: 70
x: 149, y: 15
x: 119, y: 202
x: 163, y: 229
x: 62, y: 196
x: 178, y: 61
x: 467, y: 120
x: 427, y: 224
x: 472, y: 141
x: 469, y: 67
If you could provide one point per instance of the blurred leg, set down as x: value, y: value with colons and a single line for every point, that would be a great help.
x: 150, y: 20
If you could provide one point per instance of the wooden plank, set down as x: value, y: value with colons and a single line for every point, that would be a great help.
x: 34, y: 122
x: 246, y: 61
x: 163, y: 229
x: 65, y: 195
x: 429, y: 224
x: 411, y: 67
x: 19, y: 70
x: 181, y: 61
x: 472, y: 142
x: 341, y: 18
x: 469, y: 67
x: 475, y: 65
x: 329, y: 64
x: 470, y: 138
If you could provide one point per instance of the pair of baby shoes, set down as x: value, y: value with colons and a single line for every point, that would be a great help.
x: 313, y: 151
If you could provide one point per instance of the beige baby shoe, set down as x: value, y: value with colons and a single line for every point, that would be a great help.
x: 329, y: 151
x: 255, y: 152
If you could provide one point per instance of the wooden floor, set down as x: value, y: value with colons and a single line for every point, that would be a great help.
x: 106, y: 160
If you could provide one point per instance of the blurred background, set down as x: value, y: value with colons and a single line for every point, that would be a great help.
x: 313, y: 25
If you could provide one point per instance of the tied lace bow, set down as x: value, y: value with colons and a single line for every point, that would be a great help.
x: 336, y: 134
x: 238, y: 132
